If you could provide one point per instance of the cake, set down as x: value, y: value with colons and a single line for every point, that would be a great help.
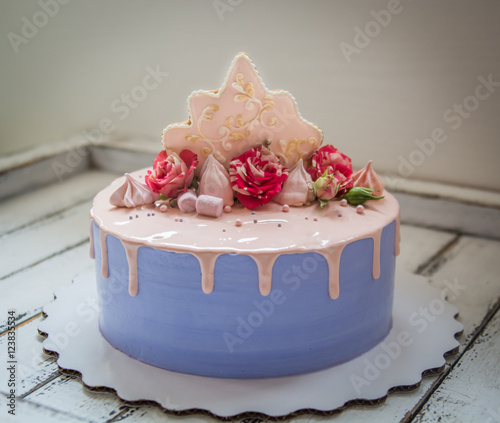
x: 249, y: 249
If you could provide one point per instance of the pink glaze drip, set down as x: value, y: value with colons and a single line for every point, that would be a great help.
x: 207, y: 266
x: 377, y: 236
x: 104, y: 253
x: 91, y: 237
x: 332, y: 257
x: 131, y: 253
x: 265, y: 263
x: 207, y: 238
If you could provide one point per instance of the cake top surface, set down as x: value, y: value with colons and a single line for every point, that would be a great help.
x: 271, y: 228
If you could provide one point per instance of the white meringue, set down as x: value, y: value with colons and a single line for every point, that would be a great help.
x: 297, y: 189
x: 368, y: 178
x: 215, y: 181
x: 132, y: 194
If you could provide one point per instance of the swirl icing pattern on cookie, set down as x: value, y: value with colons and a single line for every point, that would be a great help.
x: 238, y: 116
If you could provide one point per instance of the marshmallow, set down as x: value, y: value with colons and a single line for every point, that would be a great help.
x: 209, y: 205
x: 186, y: 201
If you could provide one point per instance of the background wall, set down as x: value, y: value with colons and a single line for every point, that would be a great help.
x: 381, y: 78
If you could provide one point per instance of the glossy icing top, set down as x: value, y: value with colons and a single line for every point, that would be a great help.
x: 241, y: 113
x: 263, y: 235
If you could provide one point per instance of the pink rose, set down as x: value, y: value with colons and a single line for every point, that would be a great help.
x: 256, y: 176
x: 325, y: 188
x: 172, y: 173
x: 330, y: 160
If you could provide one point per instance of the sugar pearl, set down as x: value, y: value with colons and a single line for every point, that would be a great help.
x: 255, y: 221
x: 360, y: 209
x: 237, y: 222
x: 285, y: 208
x: 131, y: 217
x: 163, y: 208
x: 227, y: 209
x: 279, y: 225
x: 253, y: 212
x: 343, y: 202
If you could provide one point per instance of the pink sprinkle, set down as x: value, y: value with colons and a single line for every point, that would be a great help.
x: 227, y: 209
x: 237, y: 222
x: 176, y: 219
x: 360, y: 209
x: 343, y: 202
x: 307, y: 218
x: 223, y: 230
x: 315, y: 219
x: 285, y: 208
x: 163, y: 208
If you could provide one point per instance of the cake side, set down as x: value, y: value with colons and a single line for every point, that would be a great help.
x: 235, y: 331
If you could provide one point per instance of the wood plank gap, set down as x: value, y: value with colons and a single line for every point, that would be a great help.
x: 119, y: 415
x: 47, y: 408
x: 433, y: 263
x: 41, y: 385
x: 45, y: 258
x: 456, y: 359
x: 24, y: 322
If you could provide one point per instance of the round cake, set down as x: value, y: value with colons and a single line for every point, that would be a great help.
x: 247, y: 250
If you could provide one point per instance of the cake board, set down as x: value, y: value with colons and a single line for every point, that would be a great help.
x: 424, y: 331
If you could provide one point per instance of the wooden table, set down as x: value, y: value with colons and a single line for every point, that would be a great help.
x: 44, y: 243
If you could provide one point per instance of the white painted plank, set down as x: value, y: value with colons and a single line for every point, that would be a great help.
x: 29, y: 412
x: 456, y: 193
x: 56, y: 391
x: 449, y: 215
x: 37, y: 242
x: 22, y: 179
x: 469, y: 271
x: 29, y: 290
x: 28, y: 208
x: 66, y: 394
x: 121, y: 161
x: 42, y: 151
x: 33, y: 366
x: 419, y: 245
x: 472, y: 390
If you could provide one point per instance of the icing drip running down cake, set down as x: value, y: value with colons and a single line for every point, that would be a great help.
x: 249, y: 249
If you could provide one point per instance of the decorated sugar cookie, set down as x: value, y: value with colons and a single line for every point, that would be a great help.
x: 240, y: 114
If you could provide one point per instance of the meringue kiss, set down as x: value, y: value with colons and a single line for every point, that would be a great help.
x: 297, y: 189
x: 132, y: 194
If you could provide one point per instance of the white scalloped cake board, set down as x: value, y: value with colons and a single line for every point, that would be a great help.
x: 73, y: 333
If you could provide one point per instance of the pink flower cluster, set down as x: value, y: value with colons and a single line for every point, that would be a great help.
x: 256, y: 175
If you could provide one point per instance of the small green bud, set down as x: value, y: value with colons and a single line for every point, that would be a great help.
x: 359, y: 195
